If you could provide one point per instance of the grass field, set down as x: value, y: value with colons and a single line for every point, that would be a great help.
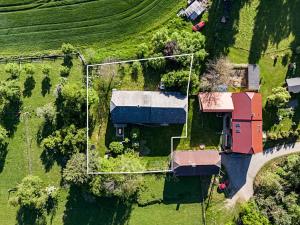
x: 256, y: 32
x: 21, y: 158
x: 28, y: 26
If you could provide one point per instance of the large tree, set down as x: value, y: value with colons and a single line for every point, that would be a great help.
x: 71, y: 105
x: 10, y: 92
x: 32, y: 194
x: 13, y: 70
x: 123, y: 186
x: 66, y: 142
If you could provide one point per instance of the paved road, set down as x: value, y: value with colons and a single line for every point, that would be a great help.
x: 242, y: 170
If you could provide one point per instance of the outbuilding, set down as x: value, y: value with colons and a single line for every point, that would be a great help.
x: 253, y: 77
x: 195, y: 10
x: 196, y: 163
x: 293, y: 84
x: 215, y: 101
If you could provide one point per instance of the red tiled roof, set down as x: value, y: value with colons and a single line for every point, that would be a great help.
x: 247, y: 123
x: 247, y: 136
x: 247, y: 106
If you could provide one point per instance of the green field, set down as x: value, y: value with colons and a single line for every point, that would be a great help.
x: 22, y: 159
x: 28, y: 26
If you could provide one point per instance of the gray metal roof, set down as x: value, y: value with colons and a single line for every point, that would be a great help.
x: 148, y: 107
x: 253, y: 77
x: 293, y: 84
x: 194, y: 10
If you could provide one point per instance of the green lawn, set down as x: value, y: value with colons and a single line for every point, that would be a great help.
x: 258, y: 31
x: 21, y: 160
x: 29, y: 26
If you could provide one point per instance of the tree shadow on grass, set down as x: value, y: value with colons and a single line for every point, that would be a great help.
x: 3, y: 153
x: 100, y: 211
x: 49, y: 157
x: 29, y: 85
x: 46, y: 86
x: 10, y: 117
x: 222, y: 36
x: 27, y: 216
x: 274, y: 22
x: 184, y: 190
x: 68, y: 61
x: 46, y: 129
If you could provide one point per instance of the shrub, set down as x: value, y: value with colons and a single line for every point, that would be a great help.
x: 285, y: 134
x: 142, y: 50
x: 135, y: 145
x: 159, y: 40
x: 178, y: 81
x: 158, y: 64
x: 272, y: 136
x: 279, y: 97
x: 269, y: 183
x: 67, y: 48
x: 135, y: 134
x: 46, y: 70
x: 29, y: 69
x: 137, y: 69
x: 285, y: 113
x: 13, y: 70
x: 250, y: 215
x: 64, y: 71
x: 116, y: 147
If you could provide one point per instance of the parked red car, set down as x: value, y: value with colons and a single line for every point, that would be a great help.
x: 198, y: 26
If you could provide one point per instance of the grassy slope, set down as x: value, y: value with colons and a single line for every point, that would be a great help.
x: 103, y: 23
x: 16, y: 164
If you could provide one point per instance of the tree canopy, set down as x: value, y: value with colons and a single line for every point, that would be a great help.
x: 32, y: 194
x: 279, y: 97
x: 66, y: 141
x: 10, y: 92
x: 178, y: 81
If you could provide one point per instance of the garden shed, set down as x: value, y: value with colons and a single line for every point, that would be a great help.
x: 293, y: 84
x: 148, y: 107
x: 195, y: 10
x: 196, y: 163
x: 253, y: 77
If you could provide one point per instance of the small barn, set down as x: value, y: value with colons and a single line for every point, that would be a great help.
x: 293, y: 84
x: 148, y: 107
x: 253, y: 77
x: 196, y: 163
x: 195, y: 10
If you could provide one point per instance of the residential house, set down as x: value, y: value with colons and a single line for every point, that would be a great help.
x: 242, y: 128
x: 148, y: 107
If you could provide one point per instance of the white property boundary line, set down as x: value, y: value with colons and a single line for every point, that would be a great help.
x: 172, y: 138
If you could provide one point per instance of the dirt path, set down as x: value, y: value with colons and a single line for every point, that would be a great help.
x: 242, y: 170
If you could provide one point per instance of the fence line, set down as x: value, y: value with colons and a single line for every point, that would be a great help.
x: 53, y: 57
